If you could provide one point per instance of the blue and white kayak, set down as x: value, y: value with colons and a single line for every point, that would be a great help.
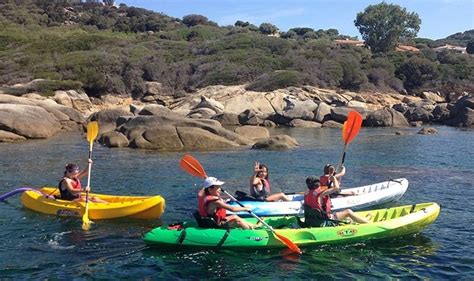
x: 364, y: 197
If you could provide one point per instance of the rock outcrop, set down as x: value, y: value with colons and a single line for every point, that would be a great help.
x: 35, y: 118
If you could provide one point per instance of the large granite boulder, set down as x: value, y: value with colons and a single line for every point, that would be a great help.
x: 418, y: 114
x: 250, y: 117
x: 253, y: 132
x: 173, y: 132
x: 298, y: 109
x: 29, y: 121
x: 387, y: 117
x: 74, y: 99
x: 462, y: 112
x: 6, y: 136
x: 434, y: 97
x: 427, y: 131
x: 300, y: 123
x: 331, y: 124
x: 441, y: 112
x: 277, y: 142
x: 227, y: 118
x: 323, y: 113
x: 114, y: 139
x: 107, y: 118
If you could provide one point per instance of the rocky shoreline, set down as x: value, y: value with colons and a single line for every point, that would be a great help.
x: 198, y: 121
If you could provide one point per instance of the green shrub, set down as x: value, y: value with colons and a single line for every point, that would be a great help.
x: 276, y: 80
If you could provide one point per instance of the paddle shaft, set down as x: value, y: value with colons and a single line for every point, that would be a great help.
x: 89, y: 169
x: 250, y: 212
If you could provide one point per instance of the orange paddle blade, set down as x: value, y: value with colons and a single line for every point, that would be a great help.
x: 344, y: 126
x: 292, y: 246
x: 351, y: 127
x: 192, y: 166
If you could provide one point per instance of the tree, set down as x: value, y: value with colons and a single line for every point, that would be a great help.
x: 470, y: 47
x: 192, y: 20
x: 383, y: 25
x: 267, y: 28
x: 416, y: 71
x: 241, y: 23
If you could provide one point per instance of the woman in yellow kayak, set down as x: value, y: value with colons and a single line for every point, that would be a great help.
x: 70, y: 185
x: 212, y: 206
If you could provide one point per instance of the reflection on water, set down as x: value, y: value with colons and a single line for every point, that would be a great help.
x: 439, y: 168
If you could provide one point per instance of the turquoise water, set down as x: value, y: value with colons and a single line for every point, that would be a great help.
x: 440, y: 168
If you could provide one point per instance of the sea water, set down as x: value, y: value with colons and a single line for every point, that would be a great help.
x: 439, y: 167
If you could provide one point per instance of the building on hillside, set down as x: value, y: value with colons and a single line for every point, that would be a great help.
x: 406, y: 48
x: 349, y: 42
x: 451, y: 48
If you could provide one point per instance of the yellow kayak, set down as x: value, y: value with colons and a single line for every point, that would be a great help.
x: 139, y: 207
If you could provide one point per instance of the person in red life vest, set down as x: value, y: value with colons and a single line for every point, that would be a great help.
x: 317, y: 204
x: 70, y: 187
x: 260, y: 185
x: 330, y: 170
x: 210, y: 204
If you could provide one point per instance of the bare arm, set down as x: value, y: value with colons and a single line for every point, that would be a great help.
x: 68, y: 183
x: 220, y: 203
x: 333, y: 189
x: 341, y: 173
x: 254, y: 180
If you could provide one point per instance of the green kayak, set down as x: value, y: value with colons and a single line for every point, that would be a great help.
x: 389, y: 222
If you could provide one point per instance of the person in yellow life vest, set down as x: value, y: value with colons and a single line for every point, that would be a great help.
x: 211, y: 205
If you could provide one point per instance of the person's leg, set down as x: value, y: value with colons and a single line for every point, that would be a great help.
x: 98, y: 200
x: 278, y: 196
x: 349, y: 213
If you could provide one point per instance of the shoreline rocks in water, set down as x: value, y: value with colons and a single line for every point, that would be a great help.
x: 196, y: 120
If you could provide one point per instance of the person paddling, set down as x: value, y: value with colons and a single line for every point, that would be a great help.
x: 211, y: 205
x: 260, y: 185
x: 70, y: 188
x: 317, y: 205
x: 324, y: 180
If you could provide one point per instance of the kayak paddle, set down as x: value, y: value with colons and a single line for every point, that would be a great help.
x: 92, y: 131
x: 350, y: 129
x: 193, y: 167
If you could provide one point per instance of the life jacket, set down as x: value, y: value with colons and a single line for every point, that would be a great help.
x: 219, y: 214
x: 324, y: 180
x: 66, y: 194
x: 261, y: 194
x: 313, y: 199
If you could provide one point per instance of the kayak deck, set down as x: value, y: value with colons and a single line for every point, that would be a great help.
x: 140, y: 207
x: 384, y: 223
x: 364, y: 197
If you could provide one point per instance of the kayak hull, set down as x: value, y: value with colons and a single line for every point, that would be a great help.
x: 365, y: 197
x: 140, y: 207
x: 386, y: 223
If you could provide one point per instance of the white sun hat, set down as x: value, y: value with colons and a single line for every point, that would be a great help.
x: 210, y: 181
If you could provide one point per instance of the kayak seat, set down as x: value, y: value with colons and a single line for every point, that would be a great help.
x: 206, y: 222
x: 242, y: 196
x: 315, y: 218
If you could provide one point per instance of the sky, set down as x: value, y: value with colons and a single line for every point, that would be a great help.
x: 439, y: 18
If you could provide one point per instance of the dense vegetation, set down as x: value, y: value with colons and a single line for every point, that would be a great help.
x: 105, y: 49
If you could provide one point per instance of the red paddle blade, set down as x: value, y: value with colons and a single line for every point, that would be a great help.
x: 192, y: 166
x: 292, y: 246
x: 351, y: 127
